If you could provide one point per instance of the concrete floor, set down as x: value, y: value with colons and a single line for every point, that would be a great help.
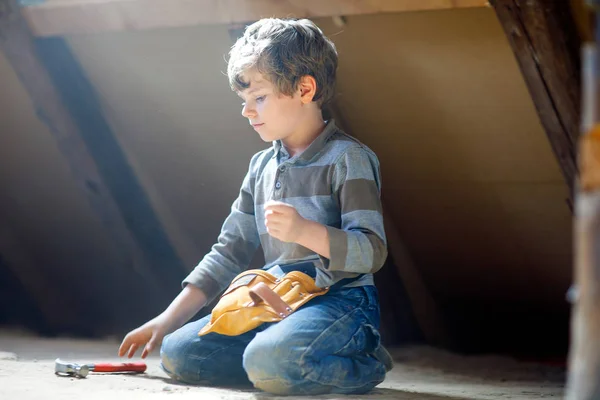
x: 421, y: 373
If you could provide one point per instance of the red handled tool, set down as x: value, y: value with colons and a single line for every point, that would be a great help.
x: 118, y: 367
x: 81, y: 371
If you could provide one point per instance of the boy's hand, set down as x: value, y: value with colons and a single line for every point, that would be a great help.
x: 283, y: 221
x: 149, y: 336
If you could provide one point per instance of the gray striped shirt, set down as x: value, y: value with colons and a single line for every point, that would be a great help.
x: 336, y: 182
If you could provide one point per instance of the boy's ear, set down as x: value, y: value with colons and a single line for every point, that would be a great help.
x: 308, y: 88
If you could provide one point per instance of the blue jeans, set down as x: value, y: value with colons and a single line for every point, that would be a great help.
x: 330, y: 345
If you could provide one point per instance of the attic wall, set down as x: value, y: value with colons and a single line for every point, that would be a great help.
x: 47, y: 214
x: 468, y: 175
x: 51, y: 238
x: 168, y: 101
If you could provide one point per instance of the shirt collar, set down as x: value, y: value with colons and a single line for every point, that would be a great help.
x: 316, y: 145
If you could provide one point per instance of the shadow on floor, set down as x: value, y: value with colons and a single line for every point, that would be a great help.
x: 391, y: 394
x: 377, y: 393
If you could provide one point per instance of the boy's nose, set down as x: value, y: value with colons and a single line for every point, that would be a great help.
x: 248, y: 112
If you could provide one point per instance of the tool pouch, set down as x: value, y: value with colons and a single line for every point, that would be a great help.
x: 256, y: 296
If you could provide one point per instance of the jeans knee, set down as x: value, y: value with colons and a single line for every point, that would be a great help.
x: 272, y: 368
x: 170, y: 358
x: 173, y: 359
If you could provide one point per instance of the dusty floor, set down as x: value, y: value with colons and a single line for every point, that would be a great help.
x: 27, y: 372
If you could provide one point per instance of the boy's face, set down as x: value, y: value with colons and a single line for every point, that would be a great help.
x: 273, y: 116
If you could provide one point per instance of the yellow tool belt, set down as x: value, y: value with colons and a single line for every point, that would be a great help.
x: 256, y: 296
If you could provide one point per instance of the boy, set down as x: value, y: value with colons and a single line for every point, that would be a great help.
x: 313, y: 197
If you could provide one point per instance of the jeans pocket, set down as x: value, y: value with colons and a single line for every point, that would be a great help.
x: 365, y: 340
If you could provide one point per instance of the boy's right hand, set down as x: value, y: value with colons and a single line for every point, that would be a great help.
x: 148, y: 335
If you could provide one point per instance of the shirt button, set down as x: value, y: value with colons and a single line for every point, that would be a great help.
x: 277, y: 185
x: 282, y: 168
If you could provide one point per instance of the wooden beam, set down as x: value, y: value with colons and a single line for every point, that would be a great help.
x: 68, y: 105
x: 584, y: 349
x: 66, y: 17
x: 544, y: 39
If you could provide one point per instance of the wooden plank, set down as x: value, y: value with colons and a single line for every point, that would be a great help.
x: 544, y: 39
x: 68, y: 105
x: 66, y: 17
x: 584, y: 349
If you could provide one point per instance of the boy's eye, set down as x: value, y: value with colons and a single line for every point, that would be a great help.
x: 260, y: 99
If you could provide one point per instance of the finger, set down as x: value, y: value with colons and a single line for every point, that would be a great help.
x: 273, y: 213
x: 272, y: 230
x: 149, y: 348
x: 274, y: 203
x: 124, y: 346
x: 278, y: 206
x: 132, y: 350
x: 274, y: 224
x: 274, y: 217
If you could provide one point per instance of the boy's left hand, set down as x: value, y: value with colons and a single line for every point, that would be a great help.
x: 283, y: 222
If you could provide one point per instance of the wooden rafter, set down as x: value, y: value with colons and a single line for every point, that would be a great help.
x: 67, y: 104
x: 544, y: 39
x: 65, y: 17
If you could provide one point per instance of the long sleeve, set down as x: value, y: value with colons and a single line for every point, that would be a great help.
x: 235, y: 246
x: 360, y: 245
